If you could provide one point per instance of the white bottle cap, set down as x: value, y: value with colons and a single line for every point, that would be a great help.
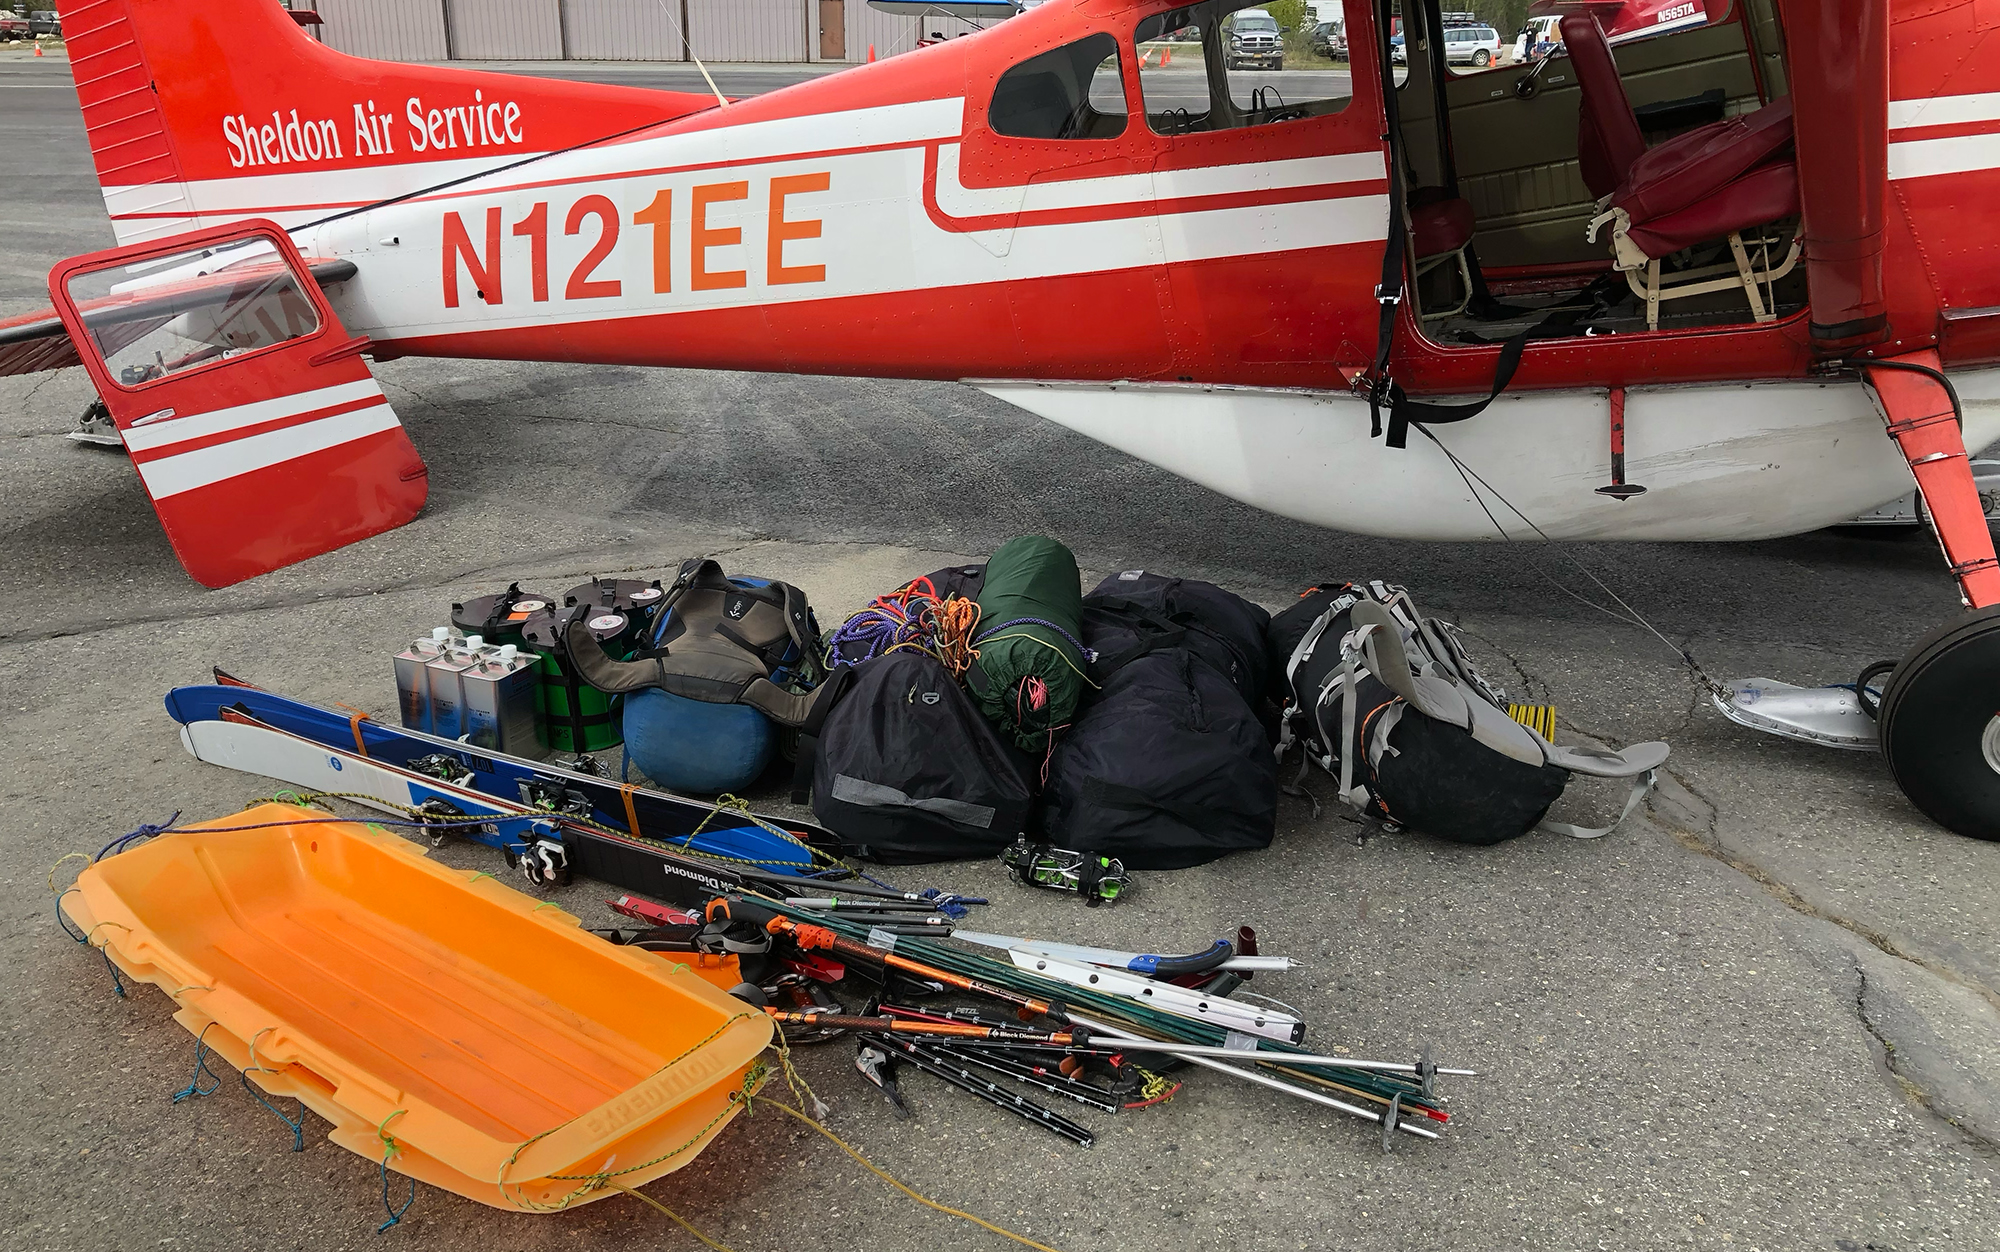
x: 474, y: 642
x: 440, y: 633
x: 508, y: 651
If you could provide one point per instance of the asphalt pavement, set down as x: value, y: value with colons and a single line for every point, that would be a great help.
x: 1761, y: 1015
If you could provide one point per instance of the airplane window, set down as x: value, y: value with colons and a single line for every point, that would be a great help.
x: 1225, y: 64
x: 1071, y: 92
x: 1541, y: 37
x: 173, y: 313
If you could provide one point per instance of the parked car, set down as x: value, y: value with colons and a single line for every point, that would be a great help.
x: 1254, y: 41
x: 46, y: 22
x: 1397, y: 52
x: 13, y: 26
x: 1328, y: 41
x: 1478, y: 44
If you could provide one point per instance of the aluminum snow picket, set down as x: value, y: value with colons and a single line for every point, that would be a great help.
x: 1166, y: 997
x: 1150, y: 964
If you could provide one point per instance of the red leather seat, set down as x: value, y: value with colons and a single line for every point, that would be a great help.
x: 1769, y: 193
x: 1608, y: 137
x: 1700, y: 179
x: 1714, y: 182
x: 1439, y: 225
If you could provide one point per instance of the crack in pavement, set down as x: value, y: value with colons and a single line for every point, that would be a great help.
x: 1892, y: 1067
x: 1710, y: 844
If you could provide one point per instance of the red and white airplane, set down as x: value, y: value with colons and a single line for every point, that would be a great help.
x: 1736, y: 281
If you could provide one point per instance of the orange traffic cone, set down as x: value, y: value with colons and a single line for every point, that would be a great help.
x: 1166, y: 55
x: 871, y: 54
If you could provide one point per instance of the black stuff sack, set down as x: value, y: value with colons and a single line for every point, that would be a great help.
x: 907, y: 769
x: 1135, y: 612
x: 1165, y: 768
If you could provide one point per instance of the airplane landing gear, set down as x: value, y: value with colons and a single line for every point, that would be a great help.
x: 1940, y: 724
x: 95, y: 426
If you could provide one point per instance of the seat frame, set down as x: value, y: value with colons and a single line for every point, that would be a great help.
x: 1644, y: 275
x: 1425, y: 265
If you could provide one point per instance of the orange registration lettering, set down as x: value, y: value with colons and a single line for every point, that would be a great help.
x: 702, y: 237
x: 484, y: 270
x: 781, y: 230
x: 660, y: 216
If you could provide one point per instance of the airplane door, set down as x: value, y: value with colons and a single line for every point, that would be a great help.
x: 1271, y: 186
x: 1059, y: 171
x: 255, y: 425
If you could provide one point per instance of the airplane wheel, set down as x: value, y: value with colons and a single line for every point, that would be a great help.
x: 1940, y: 724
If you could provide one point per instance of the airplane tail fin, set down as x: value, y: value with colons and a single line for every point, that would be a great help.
x: 204, y: 114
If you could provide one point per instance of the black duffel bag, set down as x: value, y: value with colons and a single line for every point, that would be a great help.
x: 907, y: 770
x: 1136, y: 612
x: 1166, y: 766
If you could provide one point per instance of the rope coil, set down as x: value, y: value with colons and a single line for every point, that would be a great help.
x: 912, y: 618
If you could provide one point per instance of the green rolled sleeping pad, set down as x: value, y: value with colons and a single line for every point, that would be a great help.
x: 1029, y: 675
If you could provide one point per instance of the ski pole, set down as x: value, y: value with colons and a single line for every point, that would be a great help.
x: 810, y: 937
x: 846, y: 888
x: 952, y: 1030
x: 964, y: 1079
x: 1048, y: 1080
x: 1128, y: 1043
x: 894, y: 919
x: 850, y: 904
x: 1141, y: 1044
x: 1303, y: 1060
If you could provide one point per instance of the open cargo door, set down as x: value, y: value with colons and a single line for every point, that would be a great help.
x: 255, y: 425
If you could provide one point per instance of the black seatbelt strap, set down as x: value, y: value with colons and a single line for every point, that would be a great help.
x: 1403, y: 410
x: 1388, y: 292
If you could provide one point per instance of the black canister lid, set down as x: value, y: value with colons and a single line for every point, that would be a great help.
x: 489, y: 615
x: 622, y: 595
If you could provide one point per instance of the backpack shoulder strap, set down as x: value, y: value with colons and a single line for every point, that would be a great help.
x: 806, y: 711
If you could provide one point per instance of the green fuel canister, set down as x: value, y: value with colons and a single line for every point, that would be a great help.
x: 498, y: 618
x: 572, y: 715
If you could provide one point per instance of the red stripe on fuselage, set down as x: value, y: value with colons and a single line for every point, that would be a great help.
x: 1952, y: 130
x: 1122, y: 210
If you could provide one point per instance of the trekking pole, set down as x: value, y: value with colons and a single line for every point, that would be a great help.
x: 809, y: 937
x: 958, y: 1076
x: 1133, y: 1043
x: 1304, y: 1060
x: 952, y: 1030
x: 1141, y: 1044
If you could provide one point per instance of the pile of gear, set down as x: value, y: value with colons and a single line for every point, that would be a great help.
x: 983, y: 710
x: 997, y: 710
x: 994, y: 710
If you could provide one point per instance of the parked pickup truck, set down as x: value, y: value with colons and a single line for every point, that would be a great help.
x: 1254, y: 41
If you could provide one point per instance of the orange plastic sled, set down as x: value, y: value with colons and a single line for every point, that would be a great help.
x: 481, y: 1039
